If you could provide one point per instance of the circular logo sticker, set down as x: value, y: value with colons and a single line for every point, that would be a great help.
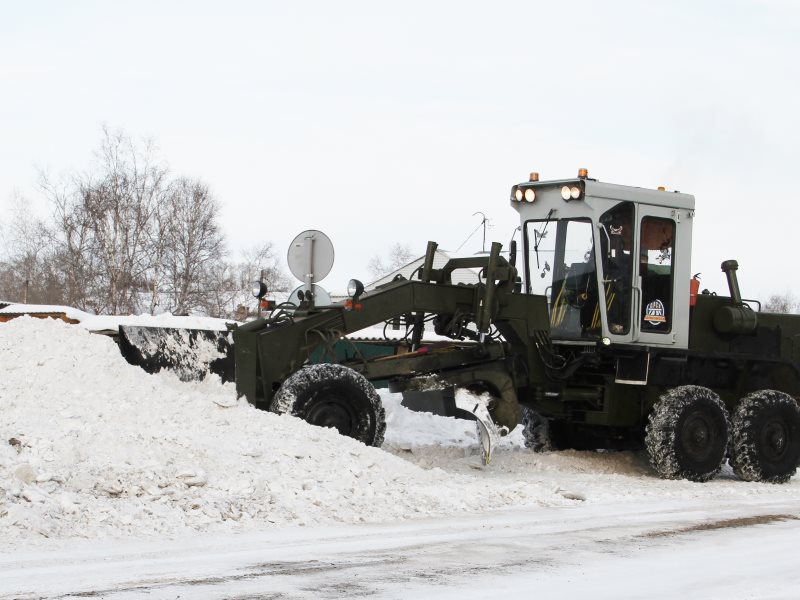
x: 654, y: 313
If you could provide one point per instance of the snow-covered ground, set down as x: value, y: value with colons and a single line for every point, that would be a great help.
x: 117, y: 483
x: 105, y: 323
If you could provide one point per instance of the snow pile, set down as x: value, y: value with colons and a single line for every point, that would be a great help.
x: 112, y: 322
x: 67, y: 311
x: 91, y: 446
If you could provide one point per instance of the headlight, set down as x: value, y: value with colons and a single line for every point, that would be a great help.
x: 530, y: 195
x: 570, y: 192
x: 355, y: 288
x: 518, y: 195
x: 259, y: 289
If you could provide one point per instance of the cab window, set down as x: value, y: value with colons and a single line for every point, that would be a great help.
x: 561, y: 266
x: 656, y: 260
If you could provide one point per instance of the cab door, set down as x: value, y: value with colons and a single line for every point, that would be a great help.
x: 661, y: 281
x: 616, y: 252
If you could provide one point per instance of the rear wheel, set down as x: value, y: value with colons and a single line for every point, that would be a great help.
x: 331, y: 395
x: 687, y: 434
x: 765, y: 438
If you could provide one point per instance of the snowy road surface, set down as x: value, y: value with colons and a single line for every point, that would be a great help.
x: 659, y: 550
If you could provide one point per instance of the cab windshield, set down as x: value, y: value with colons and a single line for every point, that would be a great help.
x: 561, y: 266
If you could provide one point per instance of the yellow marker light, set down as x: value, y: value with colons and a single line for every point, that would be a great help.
x: 534, y: 176
x: 583, y: 173
x: 661, y: 188
x: 565, y: 193
x: 530, y: 195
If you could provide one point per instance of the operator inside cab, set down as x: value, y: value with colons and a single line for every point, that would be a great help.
x: 617, y: 264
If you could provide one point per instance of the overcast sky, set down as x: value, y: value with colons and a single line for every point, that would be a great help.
x: 395, y: 122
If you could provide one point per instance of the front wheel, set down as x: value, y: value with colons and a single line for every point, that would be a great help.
x: 331, y: 395
x: 765, y: 442
x: 687, y: 434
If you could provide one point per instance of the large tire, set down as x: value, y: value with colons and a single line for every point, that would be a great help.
x: 539, y: 433
x: 687, y: 434
x: 331, y: 395
x: 765, y: 441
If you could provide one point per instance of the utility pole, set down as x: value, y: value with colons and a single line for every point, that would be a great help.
x: 25, y: 294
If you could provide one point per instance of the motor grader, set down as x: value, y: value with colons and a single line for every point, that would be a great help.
x: 600, y: 338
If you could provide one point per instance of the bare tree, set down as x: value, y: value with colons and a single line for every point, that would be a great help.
x: 120, y: 204
x: 27, y: 273
x: 194, y: 243
x: 222, y: 291
x: 158, y: 241
x: 230, y: 286
x: 72, y: 245
x: 398, y: 256
x: 104, y: 220
x: 781, y: 303
x: 258, y: 260
x: 125, y: 237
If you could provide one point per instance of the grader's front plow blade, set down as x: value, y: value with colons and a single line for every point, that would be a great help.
x: 190, y: 353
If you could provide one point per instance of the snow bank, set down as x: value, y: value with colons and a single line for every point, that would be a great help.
x: 68, y: 311
x: 91, y: 446
x: 112, y: 322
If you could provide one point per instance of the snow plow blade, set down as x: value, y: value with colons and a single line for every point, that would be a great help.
x: 488, y: 431
x: 189, y: 353
x: 443, y: 402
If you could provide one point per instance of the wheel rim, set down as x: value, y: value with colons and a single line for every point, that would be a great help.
x: 330, y: 409
x: 698, y: 436
x: 774, y: 438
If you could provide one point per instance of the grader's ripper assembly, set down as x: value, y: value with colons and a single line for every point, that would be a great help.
x: 599, y: 340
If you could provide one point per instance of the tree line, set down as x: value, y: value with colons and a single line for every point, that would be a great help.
x: 128, y: 237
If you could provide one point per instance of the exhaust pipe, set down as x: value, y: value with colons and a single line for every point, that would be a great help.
x: 737, y: 318
x: 729, y: 267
